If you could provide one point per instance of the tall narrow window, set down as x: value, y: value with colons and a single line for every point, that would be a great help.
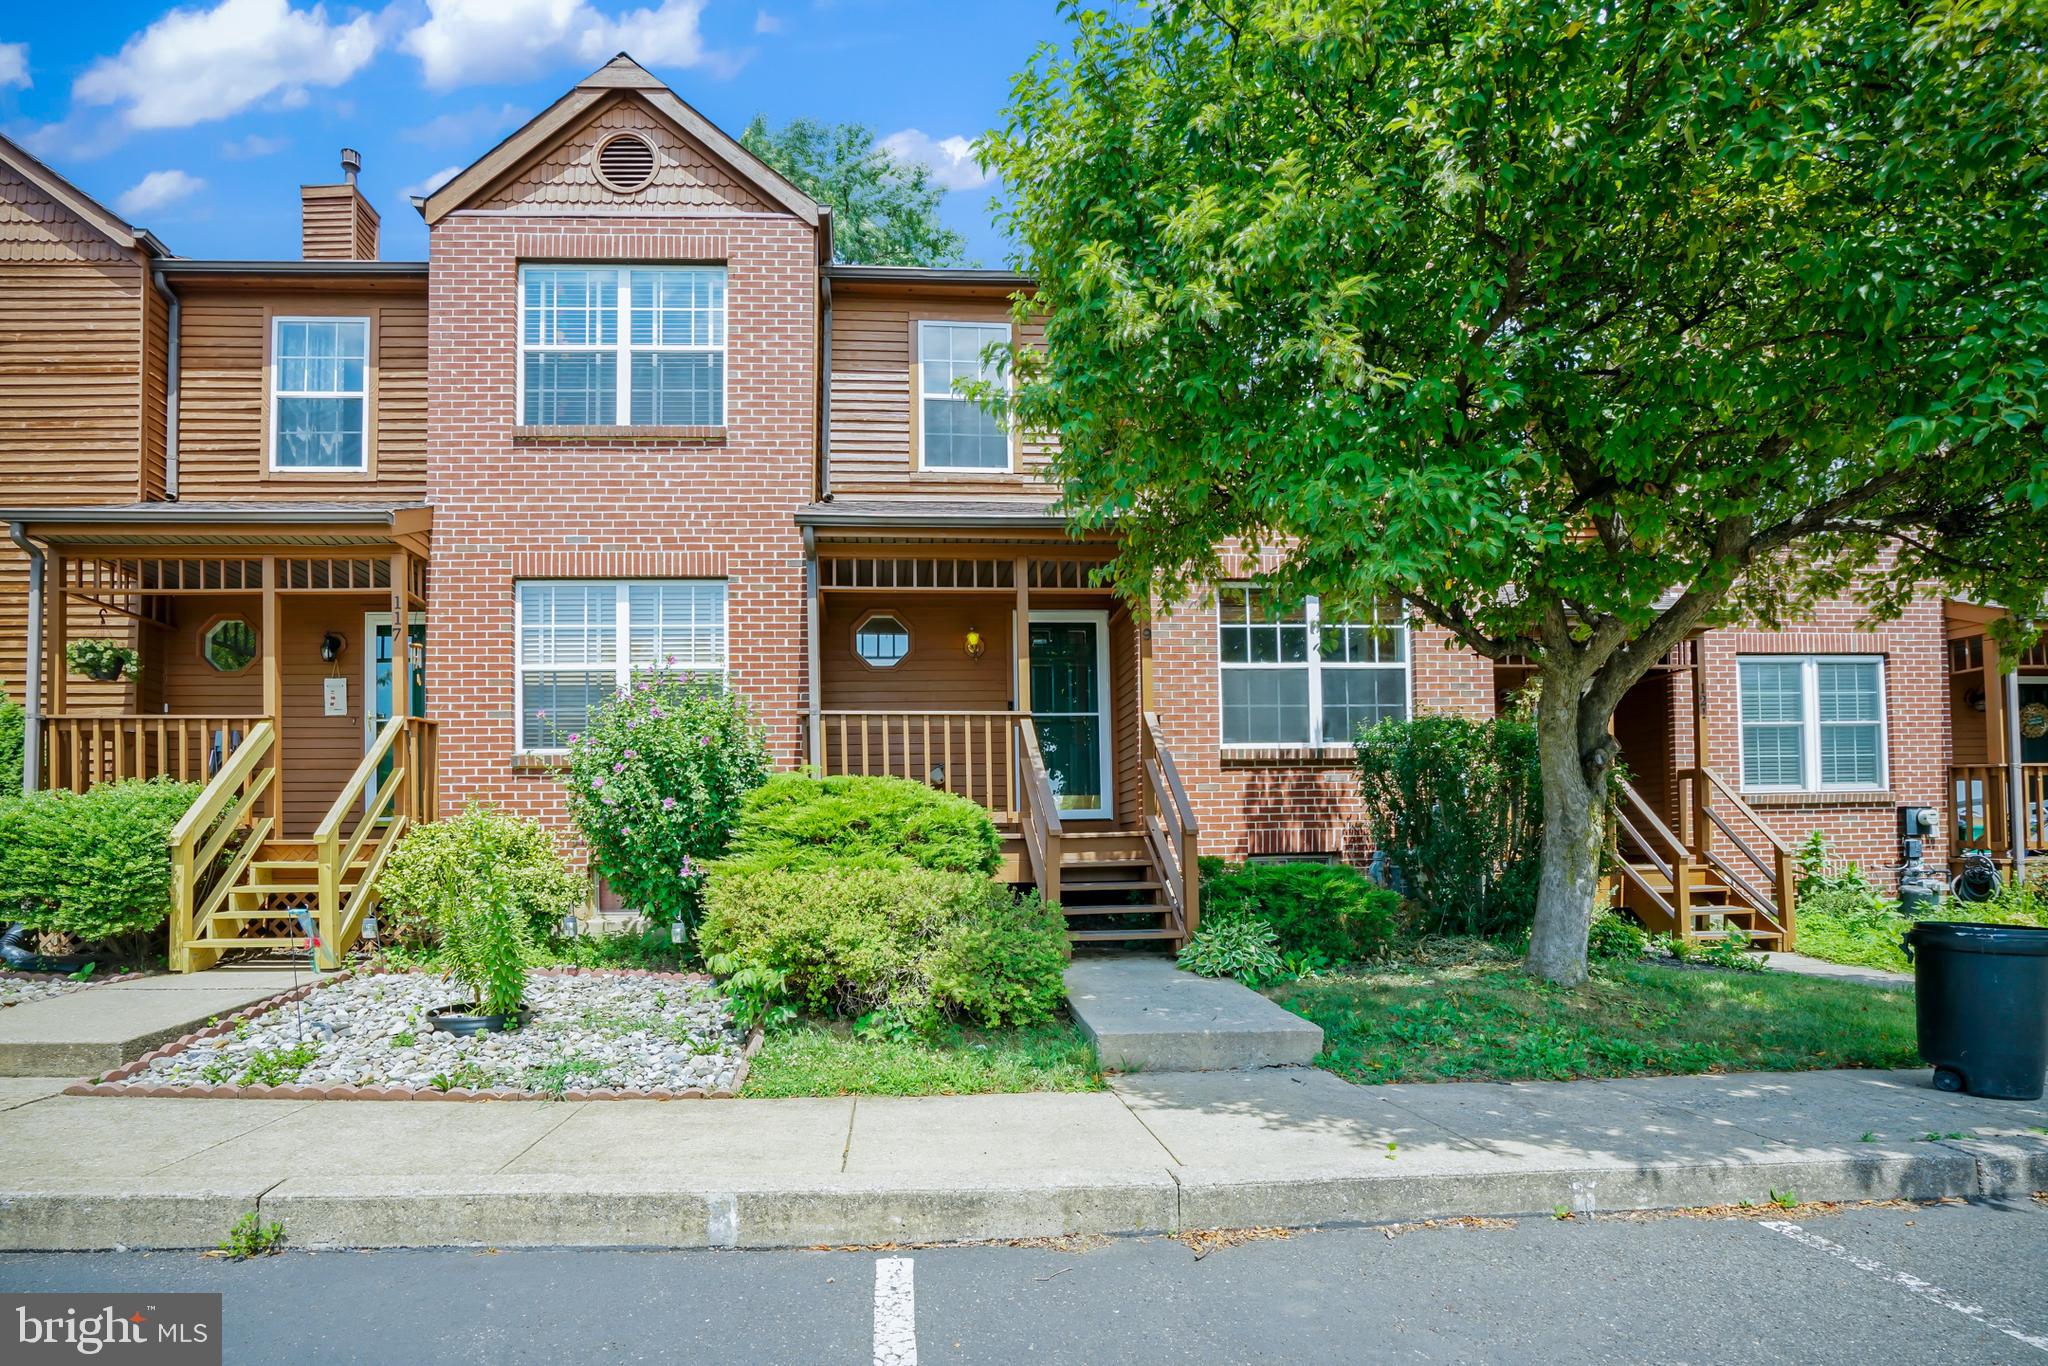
x: 1292, y: 678
x: 954, y: 431
x: 320, y: 370
x: 1812, y: 724
x: 580, y: 642
x: 642, y: 347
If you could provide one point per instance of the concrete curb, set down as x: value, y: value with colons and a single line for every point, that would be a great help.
x: 564, y: 1211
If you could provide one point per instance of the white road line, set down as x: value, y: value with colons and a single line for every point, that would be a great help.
x: 895, y: 1313
x: 1903, y: 1279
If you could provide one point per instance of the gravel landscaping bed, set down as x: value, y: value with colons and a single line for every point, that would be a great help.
x: 18, y: 988
x: 590, y: 1034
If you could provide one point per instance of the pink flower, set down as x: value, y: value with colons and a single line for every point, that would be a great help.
x: 619, y: 767
x: 632, y: 754
x: 596, y: 783
x: 541, y: 715
x: 574, y: 738
x: 703, y: 739
x: 668, y: 803
x: 655, y: 713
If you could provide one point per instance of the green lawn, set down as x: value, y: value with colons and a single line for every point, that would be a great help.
x: 1485, y: 1020
x: 826, y: 1059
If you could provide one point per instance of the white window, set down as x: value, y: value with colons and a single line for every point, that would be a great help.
x: 580, y: 642
x: 319, y: 394
x: 954, y: 431
x: 1291, y: 678
x: 640, y: 347
x: 1812, y: 723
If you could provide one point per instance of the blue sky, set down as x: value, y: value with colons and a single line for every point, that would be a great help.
x: 200, y: 121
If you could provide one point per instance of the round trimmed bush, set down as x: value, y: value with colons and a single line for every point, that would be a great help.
x: 1326, y: 908
x: 94, y: 865
x: 799, y: 820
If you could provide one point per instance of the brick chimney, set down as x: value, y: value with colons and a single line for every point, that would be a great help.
x: 335, y: 222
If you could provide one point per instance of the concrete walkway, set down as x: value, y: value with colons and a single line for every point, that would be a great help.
x: 1803, y: 966
x: 1157, y: 1152
x: 95, y: 1030
x: 1146, y: 1015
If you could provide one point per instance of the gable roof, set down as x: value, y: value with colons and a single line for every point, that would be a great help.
x: 621, y: 73
x: 81, y: 205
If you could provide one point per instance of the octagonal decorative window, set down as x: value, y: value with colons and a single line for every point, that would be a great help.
x: 881, y: 640
x: 229, y: 645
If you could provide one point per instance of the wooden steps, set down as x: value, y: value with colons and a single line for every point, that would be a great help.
x: 1109, y: 875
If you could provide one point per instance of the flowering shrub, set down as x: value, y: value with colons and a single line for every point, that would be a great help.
x: 655, y: 784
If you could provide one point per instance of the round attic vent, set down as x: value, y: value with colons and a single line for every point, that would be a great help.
x: 625, y: 163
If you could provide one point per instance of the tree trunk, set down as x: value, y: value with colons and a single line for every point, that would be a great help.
x: 1574, y: 829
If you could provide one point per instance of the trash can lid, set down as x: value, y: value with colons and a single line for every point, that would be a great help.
x: 1970, y: 936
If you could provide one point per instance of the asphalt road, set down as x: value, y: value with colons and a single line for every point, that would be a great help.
x: 1870, y: 1285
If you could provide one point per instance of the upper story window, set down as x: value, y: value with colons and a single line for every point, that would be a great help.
x: 1292, y: 678
x: 320, y: 377
x: 580, y: 641
x: 1812, y: 723
x: 638, y: 347
x: 955, y: 432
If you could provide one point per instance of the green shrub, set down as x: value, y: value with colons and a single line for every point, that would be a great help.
x: 486, y: 939
x: 1240, y: 947
x: 1457, y: 807
x: 432, y: 859
x: 912, y: 943
x: 92, y: 865
x: 1330, y: 909
x: 13, y: 744
x: 655, y: 785
x: 799, y: 820
x: 1614, y: 938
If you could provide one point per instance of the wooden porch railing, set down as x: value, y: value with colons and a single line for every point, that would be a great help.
x: 1038, y: 813
x: 971, y: 754
x: 215, y: 840
x: 351, y: 856
x: 1640, y: 833
x: 80, y: 750
x: 1762, y: 875
x: 1170, y: 828
x: 1980, y: 807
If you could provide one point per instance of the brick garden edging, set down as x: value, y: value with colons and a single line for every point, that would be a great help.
x: 115, y: 1083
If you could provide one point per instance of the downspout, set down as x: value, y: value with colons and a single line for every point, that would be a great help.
x: 825, y: 403
x: 170, y: 387
x: 2015, y: 781
x: 32, y: 749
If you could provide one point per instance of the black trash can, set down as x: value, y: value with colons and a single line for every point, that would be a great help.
x: 1982, y: 995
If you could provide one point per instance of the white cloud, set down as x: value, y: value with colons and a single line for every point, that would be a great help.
x: 193, y: 65
x: 468, y: 124
x: 430, y: 184
x: 764, y: 22
x: 14, y: 65
x: 157, y: 190
x: 464, y: 42
x: 951, y: 159
x: 253, y: 146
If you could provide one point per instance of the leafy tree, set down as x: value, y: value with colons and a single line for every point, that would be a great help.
x: 1580, y: 327
x: 884, y: 213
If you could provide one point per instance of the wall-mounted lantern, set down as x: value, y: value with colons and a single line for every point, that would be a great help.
x: 975, y: 644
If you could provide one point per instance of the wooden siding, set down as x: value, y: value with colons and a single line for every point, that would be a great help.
x: 871, y: 390
x: 336, y: 224
x: 1126, y: 737
x: 686, y: 175
x: 223, y: 411
x: 936, y: 674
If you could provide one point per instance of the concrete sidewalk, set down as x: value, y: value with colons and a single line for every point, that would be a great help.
x: 1158, y: 1152
x: 100, y: 1028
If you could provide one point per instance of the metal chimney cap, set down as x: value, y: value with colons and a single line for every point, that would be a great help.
x: 351, y: 162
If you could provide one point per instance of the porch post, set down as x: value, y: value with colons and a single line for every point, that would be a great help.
x: 814, y: 751
x: 2016, y: 777
x: 401, y: 637
x: 273, y: 687
x: 1020, y: 649
x: 1697, y: 835
x: 58, y: 604
x: 32, y: 666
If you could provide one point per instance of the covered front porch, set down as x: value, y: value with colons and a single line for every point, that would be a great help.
x: 973, y: 650
x: 1998, y: 729
x: 279, y: 656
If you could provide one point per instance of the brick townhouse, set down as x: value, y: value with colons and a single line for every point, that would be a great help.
x: 382, y: 532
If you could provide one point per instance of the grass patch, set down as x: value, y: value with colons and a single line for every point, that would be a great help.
x: 815, y: 1058
x: 1869, y: 937
x: 1486, y: 1020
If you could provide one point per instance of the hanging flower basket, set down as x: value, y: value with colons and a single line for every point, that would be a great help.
x: 102, y: 660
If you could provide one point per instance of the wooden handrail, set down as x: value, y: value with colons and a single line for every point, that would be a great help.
x: 1038, y: 815
x: 1778, y: 868
x: 404, y: 796
x: 1672, y: 842
x: 81, y: 749
x: 1170, y: 826
x: 974, y: 751
x: 199, y: 841
x: 1171, y: 773
x: 1742, y: 807
x: 352, y: 790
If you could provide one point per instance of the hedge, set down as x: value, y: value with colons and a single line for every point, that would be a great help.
x: 92, y: 865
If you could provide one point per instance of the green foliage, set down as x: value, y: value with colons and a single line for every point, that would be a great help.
x: 13, y: 744
x: 1614, y: 938
x: 488, y: 941
x: 799, y: 820
x: 884, y: 212
x: 1327, y: 911
x: 829, y: 1060
x: 94, y: 864
x: 1730, y: 952
x: 756, y: 994
x: 655, y: 785
x: 94, y: 657
x: 277, y: 1066
x: 1239, y: 947
x: 1457, y: 807
x: 1819, y: 872
x: 251, y: 1237
x: 917, y: 943
x: 434, y: 859
x: 1858, y: 927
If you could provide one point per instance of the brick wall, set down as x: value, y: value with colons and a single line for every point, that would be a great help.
x: 507, y: 508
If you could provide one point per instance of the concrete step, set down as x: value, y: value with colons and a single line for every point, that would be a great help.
x: 1146, y: 1014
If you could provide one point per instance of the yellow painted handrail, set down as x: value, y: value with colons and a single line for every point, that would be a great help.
x: 241, y: 782
x: 221, y: 790
x: 352, y: 790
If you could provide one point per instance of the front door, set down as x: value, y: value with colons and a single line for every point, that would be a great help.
x: 377, y: 681
x: 1070, y: 707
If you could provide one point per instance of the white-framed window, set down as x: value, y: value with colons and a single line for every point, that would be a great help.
x: 1291, y: 678
x: 953, y: 431
x: 639, y: 346
x: 319, y: 393
x: 580, y: 641
x: 1812, y: 723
